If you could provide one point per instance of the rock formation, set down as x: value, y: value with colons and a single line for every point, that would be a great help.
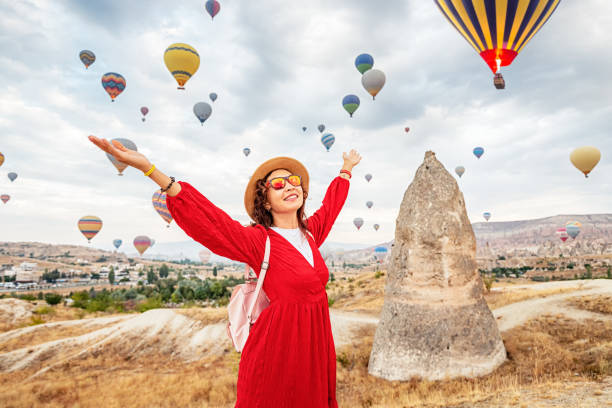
x: 435, y: 322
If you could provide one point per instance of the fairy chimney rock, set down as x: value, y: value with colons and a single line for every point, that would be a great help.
x: 435, y: 322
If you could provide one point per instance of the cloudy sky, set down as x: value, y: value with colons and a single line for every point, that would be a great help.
x: 277, y: 67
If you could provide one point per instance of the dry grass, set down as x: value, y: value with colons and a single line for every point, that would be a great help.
x: 598, y: 304
x: 208, y: 315
x: 502, y: 298
x: 364, y: 293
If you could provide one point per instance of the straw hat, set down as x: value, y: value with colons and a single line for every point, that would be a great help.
x: 292, y: 165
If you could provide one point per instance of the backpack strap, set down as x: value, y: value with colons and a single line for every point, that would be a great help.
x: 262, y: 276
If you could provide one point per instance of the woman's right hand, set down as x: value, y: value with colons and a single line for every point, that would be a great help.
x: 122, y: 153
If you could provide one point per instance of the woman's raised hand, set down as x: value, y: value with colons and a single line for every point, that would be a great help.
x: 122, y: 153
x: 351, y: 158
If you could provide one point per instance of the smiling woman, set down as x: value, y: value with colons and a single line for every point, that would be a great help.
x: 289, y: 358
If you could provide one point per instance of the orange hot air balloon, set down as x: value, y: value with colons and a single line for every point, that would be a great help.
x: 89, y: 226
x: 142, y: 243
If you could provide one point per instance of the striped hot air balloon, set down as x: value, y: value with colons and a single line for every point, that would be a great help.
x: 212, y: 7
x: 5, y: 198
x: 486, y: 215
x: 328, y: 140
x: 87, y: 58
x: 120, y: 166
x: 113, y: 83
x: 460, y: 170
x: 159, y: 204
x: 1, y: 159
x: 573, y: 228
x: 182, y: 60
x: 364, y: 62
x: 142, y: 243
x: 497, y: 29
x: 478, y: 151
x: 89, y: 226
x: 562, y: 234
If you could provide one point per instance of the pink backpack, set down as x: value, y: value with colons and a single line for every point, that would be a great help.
x: 245, y: 304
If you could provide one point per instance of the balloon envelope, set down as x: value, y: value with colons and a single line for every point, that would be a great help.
x: 373, y: 81
x: 478, y: 151
x: 486, y: 215
x: 142, y: 243
x: 152, y: 243
x: 117, y: 243
x: 376, y: 227
x: 87, y: 58
x: 5, y: 198
x: 303, y: 128
x: 562, y: 234
x: 406, y: 129
x: 202, y: 110
x: 159, y: 204
x: 497, y: 29
x: 369, y: 204
x: 368, y: 177
x: 358, y: 222
x: 350, y: 104
x: 212, y: 7
x: 246, y: 151
x: 119, y: 165
x: 1, y: 159
x: 89, y: 226
x: 364, y: 62
x: 460, y: 170
x: 573, y: 228
x: 113, y: 83
x: 585, y: 158
x: 182, y: 60
x: 321, y: 128
x: 213, y: 96
x: 12, y: 176
x: 328, y: 140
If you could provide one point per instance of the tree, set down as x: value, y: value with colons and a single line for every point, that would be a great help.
x: 95, y: 275
x: 111, y: 276
x: 151, y: 276
x: 53, y: 298
x: 214, y: 271
x: 609, y: 272
x: 164, y: 271
x: 332, y: 278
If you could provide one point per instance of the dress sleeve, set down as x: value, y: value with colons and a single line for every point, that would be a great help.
x: 321, y: 222
x: 213, y: 228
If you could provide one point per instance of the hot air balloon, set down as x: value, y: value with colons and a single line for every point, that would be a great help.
x: 562, y: 234
x: 406, y: 129
x: 142, y: 243
x: 358, y: 222
x: 350, y: 104
x: 304, y: 128
x: 117, y: 243
x: 5, y: 198
x: 585, y: 158
x: 478, y: 151
x: 486, y: 215
x: 369, y: 204
x: 213, y: 7
x: 497, y: 29
x: 499, y: 82
x: 246, y: 151
x: 213, y: 96
x: 152, y: 243
x: 321, y: 128
x: 328, y: 140
x: 376, y: 227
x: 89, y: 226
x: 364, y: 62
x: 573, y: 228
x: 202, y: 110
x: 159, y: 204
x: 373, y: 81
x: 113, y: 83
x: 368, y: 177
x: 12, y: 176
x: 1, y: 159
x: 144, y: 110
x: 204, y: 255
x: 87, y: 58
x: 380, y: 252
x: 182, y: 60
x: 460, y: 170
x: 119, y: 165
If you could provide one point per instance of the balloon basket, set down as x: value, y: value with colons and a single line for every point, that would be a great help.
x: 182, y: 88
x: 120, y: 174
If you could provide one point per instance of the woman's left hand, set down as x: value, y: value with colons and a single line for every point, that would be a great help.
x: 351, y: 158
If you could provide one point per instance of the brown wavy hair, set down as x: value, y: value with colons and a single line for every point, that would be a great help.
x: 264, y: 217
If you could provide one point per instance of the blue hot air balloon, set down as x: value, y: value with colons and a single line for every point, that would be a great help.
x: 246, y: 151
x: 486, y: 215
x: 12, y: 176
x: 202, y: 110
x: 350, y: 103
x: 363, y: 62
x: 213, y: 96
x: 321, y: 128
x: 212, y: 7
x: 328, y: 140
x: 117, y: 243
x: 478, y: 151
x: 303, y: 128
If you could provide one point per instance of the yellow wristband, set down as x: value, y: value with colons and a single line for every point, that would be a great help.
x: 148, y: 173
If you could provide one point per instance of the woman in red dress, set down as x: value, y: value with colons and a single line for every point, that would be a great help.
x: 289, y: 359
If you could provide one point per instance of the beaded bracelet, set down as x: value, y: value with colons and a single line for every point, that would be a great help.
x: 163, y: 190
x: 348, y: 173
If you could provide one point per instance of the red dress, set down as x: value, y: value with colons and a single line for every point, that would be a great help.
x: 289, y: 359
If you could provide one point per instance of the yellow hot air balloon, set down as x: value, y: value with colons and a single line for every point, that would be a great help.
x: 89, y: 226
x: 182, y: 60
x: 585, y: 158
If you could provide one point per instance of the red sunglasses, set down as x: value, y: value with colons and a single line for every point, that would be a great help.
x: 279, y: 182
